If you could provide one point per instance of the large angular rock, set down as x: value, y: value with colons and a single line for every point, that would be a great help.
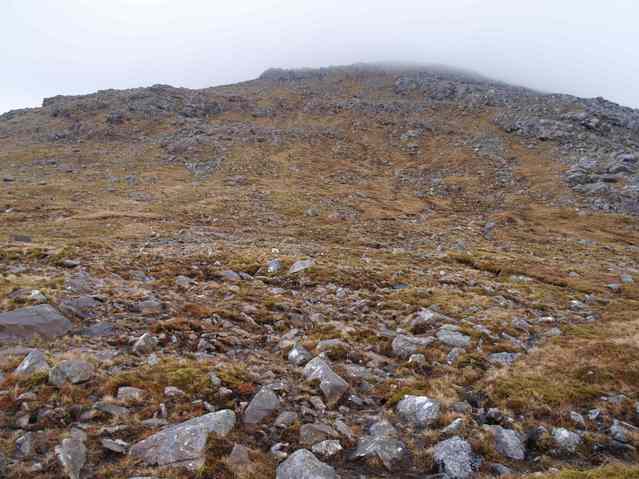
x: 420, y: 410
x: 263, y: 405
x: 73, y: 371
x: 184, y: 444
x: 403, y: 345
x: 42, y: 320
x: 331, y: 385
x: 72, y: 454
x: 509, y: 443
x: 34, y: 362
x: 303, y: 464
x: 454, y: 458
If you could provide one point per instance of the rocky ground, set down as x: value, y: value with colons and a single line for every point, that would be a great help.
x: 355, y: 272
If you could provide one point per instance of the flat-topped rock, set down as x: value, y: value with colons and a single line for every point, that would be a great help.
x: 41, y: 320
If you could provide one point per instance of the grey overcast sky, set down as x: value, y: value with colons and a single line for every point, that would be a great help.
x: 583, y: 47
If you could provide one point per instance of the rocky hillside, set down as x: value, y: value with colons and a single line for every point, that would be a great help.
x: 358, y: 272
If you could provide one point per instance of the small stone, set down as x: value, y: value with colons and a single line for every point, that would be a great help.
x: 404, y: 346
x: 231, y: 276
x: 118, y: 445
x: 578, y: 419
x: 327, y: 448
x: 285, y: 419
x: 214, y: 380
x: 263, y: 405
x: 127, y: 393
x: 173, y: 392
x: 34, y: 362
x: 183, y: 281
x: 278, y: 451
x: 420, y: 410
x: 453, y: 355
x: 301, y: 265
x: 111, y: 409
x: 72, y: 454
x: 145, y: 344
x: 274, y: 266
x: 454, y: 427
x: 303, y: 464
x: 313, y: 433
x: 417, y: 359
x: 505, y: 359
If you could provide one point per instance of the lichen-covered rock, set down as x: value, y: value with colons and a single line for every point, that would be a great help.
x: 509, y: 443
x: 454, y: 458
x: 566, y: 441
x: 184, y: 444
x: 419, y: 410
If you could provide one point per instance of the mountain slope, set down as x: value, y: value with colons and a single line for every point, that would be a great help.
x: 472, y: 242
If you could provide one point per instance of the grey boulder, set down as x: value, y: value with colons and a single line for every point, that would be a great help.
x: 75, y: 372
x: 184, y: 444
x: 42, y: 320
x: 303, y: 464
x: 509, y: 443
x: 454, y: 458
x: 566, y: 440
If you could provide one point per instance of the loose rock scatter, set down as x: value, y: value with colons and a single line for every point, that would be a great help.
x: 349, y: 272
